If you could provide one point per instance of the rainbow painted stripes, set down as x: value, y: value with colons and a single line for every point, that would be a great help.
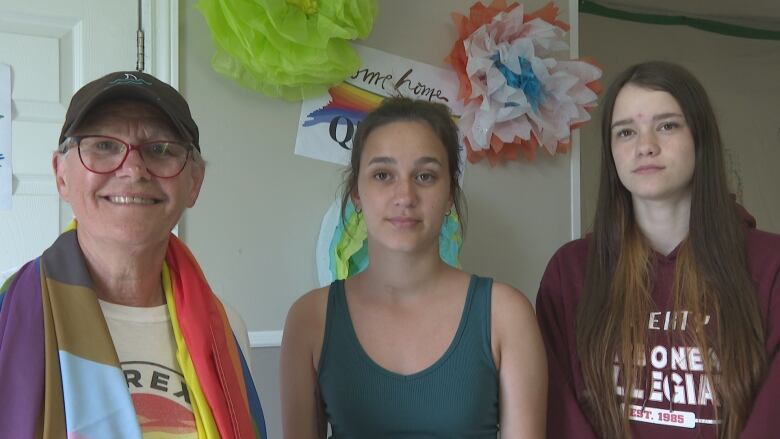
x: 348, y: 101
x: 60, y: 373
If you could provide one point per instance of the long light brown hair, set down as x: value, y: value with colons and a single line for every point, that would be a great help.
x: 711, y: 274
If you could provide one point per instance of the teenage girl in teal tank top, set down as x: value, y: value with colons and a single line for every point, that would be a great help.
x: 411, y: 347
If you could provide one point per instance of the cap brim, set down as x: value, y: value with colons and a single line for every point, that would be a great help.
x: 131, y: 92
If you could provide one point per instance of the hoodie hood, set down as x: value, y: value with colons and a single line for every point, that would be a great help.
x: 747, y: 219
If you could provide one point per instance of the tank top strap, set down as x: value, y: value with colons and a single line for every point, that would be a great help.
x: 478, y: 318
x: 335, y: 315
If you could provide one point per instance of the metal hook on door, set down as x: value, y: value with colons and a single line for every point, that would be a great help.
x: 139, y: 35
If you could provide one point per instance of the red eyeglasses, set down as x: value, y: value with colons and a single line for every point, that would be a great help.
x: 104, y: 154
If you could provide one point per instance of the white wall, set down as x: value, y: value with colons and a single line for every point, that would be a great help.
x: 742, y: 78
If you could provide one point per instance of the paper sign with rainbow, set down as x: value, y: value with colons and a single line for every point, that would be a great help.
x: 347, y: 101
x: 327, y: 124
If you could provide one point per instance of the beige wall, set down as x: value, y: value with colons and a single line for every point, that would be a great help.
x: 256, y: 223
x: 742, y: 77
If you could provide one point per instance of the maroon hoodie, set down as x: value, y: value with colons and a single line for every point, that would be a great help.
x: 676, y: 401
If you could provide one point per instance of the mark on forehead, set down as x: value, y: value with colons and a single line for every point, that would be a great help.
x: 642, y: 117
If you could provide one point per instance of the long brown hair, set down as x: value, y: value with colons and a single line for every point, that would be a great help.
x: 711, y: 274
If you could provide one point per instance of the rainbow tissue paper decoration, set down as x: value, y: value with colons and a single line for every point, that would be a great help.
x: 518, y: 95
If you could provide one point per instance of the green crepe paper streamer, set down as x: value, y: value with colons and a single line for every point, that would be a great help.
x: 333, y: 258
x: 349, y: 246
x: 590, y: 7
x: 352, y: 239
x: 274, y: 47
x: 450, y: 240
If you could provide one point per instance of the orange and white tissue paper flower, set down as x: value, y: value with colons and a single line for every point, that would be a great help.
x: 519, y: 93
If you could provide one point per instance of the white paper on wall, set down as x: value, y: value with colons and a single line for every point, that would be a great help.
x: 5, y: 137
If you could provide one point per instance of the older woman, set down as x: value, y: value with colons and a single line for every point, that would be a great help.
x: 113, y: 331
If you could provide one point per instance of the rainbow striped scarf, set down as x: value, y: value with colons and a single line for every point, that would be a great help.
x: 59, y: 372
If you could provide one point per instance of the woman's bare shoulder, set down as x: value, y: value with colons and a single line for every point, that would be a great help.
x: 308, y: 311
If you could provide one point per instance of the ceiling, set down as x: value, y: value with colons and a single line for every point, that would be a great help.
x: 762, y: 14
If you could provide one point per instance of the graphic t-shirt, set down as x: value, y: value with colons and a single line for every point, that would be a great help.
x: 145, y: 345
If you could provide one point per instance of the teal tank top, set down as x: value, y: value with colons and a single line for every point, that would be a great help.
x: 456, y: 397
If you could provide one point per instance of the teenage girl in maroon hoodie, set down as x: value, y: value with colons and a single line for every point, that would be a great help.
x: 675, y: 295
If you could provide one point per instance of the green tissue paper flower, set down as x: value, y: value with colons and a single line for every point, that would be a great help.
x: 293, y: 49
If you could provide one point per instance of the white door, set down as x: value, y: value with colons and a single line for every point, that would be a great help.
x: 54, y: 47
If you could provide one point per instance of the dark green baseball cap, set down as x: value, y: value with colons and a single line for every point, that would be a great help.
x: 132, y: 85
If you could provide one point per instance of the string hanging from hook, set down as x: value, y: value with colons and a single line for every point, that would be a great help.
x: 139, y: 36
